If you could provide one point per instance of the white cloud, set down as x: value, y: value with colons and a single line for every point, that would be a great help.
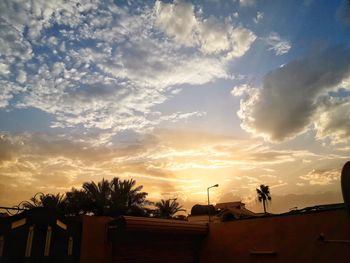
x: 7, y: 92
x: 12, y: 44
x: 22, y: 76
x: 242, y: 39
x: 259, y: 17
x: 4, y: 69
x: 214, y: 36
x: 211, y: 35
x: 297, y: 95
x: 247, y: 3
x: 182, y: 116
x: 177, y: 20
x: 110, y: 65
x: 277, y: 44
x: 321, y: 177
x: 334, y: 122
x: 39, y: 15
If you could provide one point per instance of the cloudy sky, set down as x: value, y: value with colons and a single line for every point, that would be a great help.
x: 177, y: 95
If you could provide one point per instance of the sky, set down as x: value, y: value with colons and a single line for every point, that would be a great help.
x: 177, y: 95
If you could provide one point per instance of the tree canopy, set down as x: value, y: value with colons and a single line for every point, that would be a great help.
x: 168, y: 208
x: 112, y: 198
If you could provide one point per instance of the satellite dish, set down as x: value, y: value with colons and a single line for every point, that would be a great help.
x: 345, y: 184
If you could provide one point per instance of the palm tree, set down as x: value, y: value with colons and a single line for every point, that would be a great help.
x: 76, y: 202
x: 97, y: 197
x: 168, y: 208
x: 127, y: 198
x: 264, y: 195
x: 50, y: 201
x: 118, y: 197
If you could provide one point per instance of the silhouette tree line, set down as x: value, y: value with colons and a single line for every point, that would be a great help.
x: 115, y: 198
x: 105, y: 198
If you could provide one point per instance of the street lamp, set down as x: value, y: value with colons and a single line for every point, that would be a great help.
x: 215, y: 185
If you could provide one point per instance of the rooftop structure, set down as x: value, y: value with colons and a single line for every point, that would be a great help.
x: 221, y: 212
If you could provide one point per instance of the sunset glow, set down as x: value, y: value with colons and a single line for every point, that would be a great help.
x: 177, y: 95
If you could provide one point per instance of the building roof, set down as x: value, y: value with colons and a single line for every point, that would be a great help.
x: 237, y: 204
x: 155, y: 225
x: 316, y: 208
x: 198, y: 210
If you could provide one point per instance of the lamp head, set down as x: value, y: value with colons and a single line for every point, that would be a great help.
x: 215, y: 185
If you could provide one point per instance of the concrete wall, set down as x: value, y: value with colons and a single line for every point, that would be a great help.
x: 176, y: 241
x: 292, y: 238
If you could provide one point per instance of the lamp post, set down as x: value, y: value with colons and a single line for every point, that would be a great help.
x: 215, y: 185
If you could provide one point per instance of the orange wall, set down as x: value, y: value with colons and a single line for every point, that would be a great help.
x: 293, y: 238
x: 134, y: 246
x: 94, y: 245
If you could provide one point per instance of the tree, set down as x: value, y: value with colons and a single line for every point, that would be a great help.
x: 168, y: 208
x: 127, y: 198
x: 76, y: 202
x: 263, y: 195
x: 50, y: 201
x: 112, y: 198
x: 97, y: 197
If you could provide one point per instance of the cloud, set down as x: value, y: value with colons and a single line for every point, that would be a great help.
x: 99, y: 65
x: 15, y: 51
x: 12, y: 44
x: 43, y: 162
x: 322, y: 177
x: 21, y: 76
x: 168, y: 160
x: 177, y: 20
x: 210, y: 35
x: 4, y: 69
x: 246, y: 3
x: 7, y: 92
x: 168, y: 163
x: 297, y: 95
x: 47, y: 163
x: 259, y: 17
x: 334, y: 122
x: 39, y: 15
x: 277, y: 44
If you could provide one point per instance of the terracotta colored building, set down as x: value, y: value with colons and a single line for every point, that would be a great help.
x: 317, y: 234
x: 321, y: 234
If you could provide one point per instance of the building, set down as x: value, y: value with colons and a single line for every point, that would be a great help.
x: 39, y: 235
x: 221, y: 212
x: 315, y: 234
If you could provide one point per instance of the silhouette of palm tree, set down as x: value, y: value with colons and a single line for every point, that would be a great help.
x: 97, y: 197
x: 76, y: 202
x: 264, y: 195
x: 117, y: 197
x: 168, y: 208
x: 50, y: 201
x: 127, y: 198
